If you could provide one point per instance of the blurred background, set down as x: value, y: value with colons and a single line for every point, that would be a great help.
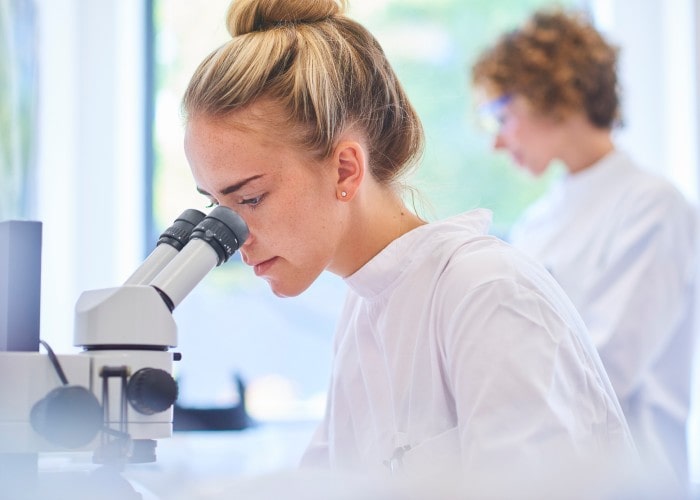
x: 91, y: 145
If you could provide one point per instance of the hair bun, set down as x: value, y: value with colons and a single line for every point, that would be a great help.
x: 246, y: 16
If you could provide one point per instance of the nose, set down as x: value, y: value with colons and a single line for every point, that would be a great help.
x: 498, y: 142
x: 245, y: 247
x: 247, y: 243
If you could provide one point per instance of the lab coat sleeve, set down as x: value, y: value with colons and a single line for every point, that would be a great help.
x: 527, y: 392
x: 645, y: 286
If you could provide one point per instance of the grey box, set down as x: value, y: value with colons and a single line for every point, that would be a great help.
x: 20, y: 285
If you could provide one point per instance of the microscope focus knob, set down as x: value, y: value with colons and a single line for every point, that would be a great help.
x: 151, y: 390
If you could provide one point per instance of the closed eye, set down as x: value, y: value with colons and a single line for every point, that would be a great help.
x: 252, y: 202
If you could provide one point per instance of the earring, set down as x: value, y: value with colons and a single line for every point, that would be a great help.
x: 343, y: 194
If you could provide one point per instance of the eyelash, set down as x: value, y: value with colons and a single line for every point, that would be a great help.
x: 252, y: 202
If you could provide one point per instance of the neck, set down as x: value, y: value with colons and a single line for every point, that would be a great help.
x: 379, y: 216
x: 586, y: 145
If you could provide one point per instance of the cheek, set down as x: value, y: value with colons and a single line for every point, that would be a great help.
x: 511, y: 134
x: 530, y: 140
x: 298, y: 224
x: 313, y: 224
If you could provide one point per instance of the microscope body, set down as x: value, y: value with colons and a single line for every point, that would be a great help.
x: 126, y: 334
x: 116, y: 396
x: 130, y: 327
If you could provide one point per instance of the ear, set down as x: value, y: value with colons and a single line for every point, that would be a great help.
x: 350, y: 162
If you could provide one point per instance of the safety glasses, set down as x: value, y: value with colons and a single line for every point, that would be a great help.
x: 491, y: 114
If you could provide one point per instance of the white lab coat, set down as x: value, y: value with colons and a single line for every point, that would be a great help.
x: 455, y: 350
x: 623, y: 245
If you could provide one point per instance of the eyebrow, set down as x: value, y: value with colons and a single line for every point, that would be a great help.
x: 232, y: 188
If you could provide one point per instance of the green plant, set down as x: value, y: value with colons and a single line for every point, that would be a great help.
x: 18, y: 98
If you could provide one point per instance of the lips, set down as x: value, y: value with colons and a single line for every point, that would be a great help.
x: 261, y: 268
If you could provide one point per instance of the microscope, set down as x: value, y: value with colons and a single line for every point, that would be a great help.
x: 115, y: 398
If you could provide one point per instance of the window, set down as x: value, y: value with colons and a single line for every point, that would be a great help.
x: 18, y: 66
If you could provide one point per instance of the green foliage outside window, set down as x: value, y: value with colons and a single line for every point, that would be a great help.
x: 18, y: 87
x: 431, y: 44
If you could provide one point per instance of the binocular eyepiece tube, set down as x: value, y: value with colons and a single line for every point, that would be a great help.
x: 214, y: 239
x: 171, y: 241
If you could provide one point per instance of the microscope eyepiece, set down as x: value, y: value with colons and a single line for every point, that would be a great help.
x: 224, y: 230
x: 179, y: 233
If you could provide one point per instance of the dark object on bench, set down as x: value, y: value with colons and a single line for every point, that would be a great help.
x: 228, y: 418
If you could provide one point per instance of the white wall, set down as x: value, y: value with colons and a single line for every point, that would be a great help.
x: 658, y: 67
x: 90, y: 151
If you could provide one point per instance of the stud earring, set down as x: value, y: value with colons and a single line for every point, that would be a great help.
x: 343, y: 194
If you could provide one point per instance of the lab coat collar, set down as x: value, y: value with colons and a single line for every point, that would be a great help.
x: 603, y: 171
x: 384, y: 270
x: 569, y: 188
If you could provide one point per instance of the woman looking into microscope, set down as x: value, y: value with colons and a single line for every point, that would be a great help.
x: 453, y: 350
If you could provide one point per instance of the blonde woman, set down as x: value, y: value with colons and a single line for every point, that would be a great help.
x: 453, y: 350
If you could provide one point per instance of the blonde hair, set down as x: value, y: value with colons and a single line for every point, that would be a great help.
x: 326, y: 71
x: 559, y: 62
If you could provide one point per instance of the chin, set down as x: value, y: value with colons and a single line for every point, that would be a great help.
x: 284, y: 291
x: 534, y: 170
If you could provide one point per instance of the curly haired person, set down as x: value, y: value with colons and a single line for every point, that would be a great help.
x: 621, y: 242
